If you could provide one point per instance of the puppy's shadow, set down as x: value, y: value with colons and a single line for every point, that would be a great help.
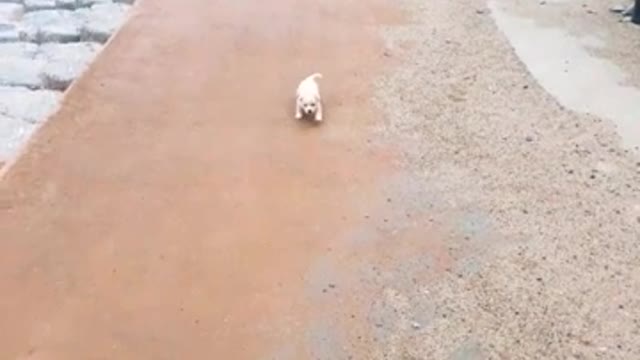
x: 307, y: 122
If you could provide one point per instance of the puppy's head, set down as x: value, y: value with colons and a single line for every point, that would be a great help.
x: 309, y: 104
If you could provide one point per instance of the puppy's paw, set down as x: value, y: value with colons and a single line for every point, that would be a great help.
x: 318, y: 118
x: 298, y: 116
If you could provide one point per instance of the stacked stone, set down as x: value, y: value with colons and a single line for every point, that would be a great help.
x: 44, y: 46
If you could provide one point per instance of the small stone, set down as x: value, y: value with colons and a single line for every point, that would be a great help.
x: 13, y: 134
x: 67, y: 4
x: 542, y: 2
x: 102, y: 20
x: 50, y: 26
x: 9, y: 33
x: 65, y: 62
x: 35, y: 5
x: 20, y: 72
x: 528, y: 138
x: 525, y: 87
x: 416, y: 325
x: 617, y: 8
x: 18, y: 50
x: 88, y: 3
x: 30, y: 106
x: 10, y: 12
x: 480, y: 11
x: 60, y: 33
x: 629, y: 10
x: 333, y: 286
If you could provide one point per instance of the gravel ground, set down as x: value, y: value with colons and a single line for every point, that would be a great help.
x: 552, y: 277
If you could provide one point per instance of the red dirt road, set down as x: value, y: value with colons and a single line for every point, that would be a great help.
x: 173, y: 206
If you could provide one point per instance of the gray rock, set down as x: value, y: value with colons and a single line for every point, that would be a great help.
x: 50, y: 26
x: 67, y: 4
x: 9, y: 32
x: 14, y: 133
x: 60, y: 32
x: 18, y: 50
x: 87, y: 3
x: 59, y: 75
x: 102, y: 20
x: 65, y: 62
x: 130, y: 2
x: 35, y: 5
x: 30, y: 106
x: 21, y: 72
x: 74, y: 52
x: 10, y: 12
x: 628, y: 11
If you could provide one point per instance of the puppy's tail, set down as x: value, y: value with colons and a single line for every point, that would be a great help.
x: 315, y: 76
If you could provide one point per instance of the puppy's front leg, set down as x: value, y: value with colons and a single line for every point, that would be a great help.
x: 319, y: 112
x: 298, y: 111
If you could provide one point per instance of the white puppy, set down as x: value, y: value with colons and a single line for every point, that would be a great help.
x: 308, y: 99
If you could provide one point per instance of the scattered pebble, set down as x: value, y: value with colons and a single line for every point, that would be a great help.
x: 618, y: 8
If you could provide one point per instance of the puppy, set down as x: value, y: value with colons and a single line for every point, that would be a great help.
x: 308, y: 99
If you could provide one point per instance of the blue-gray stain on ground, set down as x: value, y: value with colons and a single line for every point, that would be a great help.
x: 324, y: 340
x: 474, y: 224
x: 468, y: 351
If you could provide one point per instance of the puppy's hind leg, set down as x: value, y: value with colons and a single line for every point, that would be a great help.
x: 319, y: 112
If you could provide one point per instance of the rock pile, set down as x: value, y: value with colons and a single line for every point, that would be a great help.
x: 44, y: 46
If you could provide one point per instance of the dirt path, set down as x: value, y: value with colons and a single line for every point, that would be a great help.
x: 174, y: 209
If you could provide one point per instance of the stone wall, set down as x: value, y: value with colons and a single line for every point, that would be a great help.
x: 44, y: 46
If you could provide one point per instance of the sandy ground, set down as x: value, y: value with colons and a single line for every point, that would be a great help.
x: 549, y: 195
x: 166, y: 212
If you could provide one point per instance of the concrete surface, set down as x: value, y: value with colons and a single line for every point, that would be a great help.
x: 449, y: 208
x: 579, y: 80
